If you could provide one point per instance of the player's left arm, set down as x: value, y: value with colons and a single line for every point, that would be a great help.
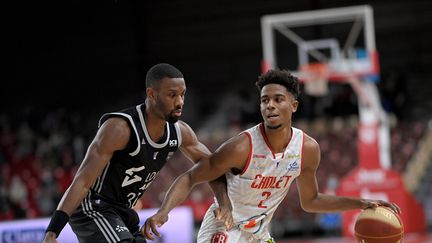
x: 193, y: 149
x: 312, y: 200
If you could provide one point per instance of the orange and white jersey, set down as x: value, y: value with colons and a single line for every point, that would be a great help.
x: 260, y: 188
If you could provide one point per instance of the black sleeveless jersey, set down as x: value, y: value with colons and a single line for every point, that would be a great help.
x: 131, y: 171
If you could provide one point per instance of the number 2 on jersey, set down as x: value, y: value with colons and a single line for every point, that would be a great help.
x: 266, y: 195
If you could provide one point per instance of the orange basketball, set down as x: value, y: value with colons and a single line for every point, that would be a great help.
x: 378, y: 225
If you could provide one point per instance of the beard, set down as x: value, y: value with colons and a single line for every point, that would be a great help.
x: 171, y: 119
x: 273, y: 127
x: 168, y: 116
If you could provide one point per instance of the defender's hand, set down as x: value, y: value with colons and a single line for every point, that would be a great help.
x: 50, y: 237
x: 376, y: 203
x: 223, y: 214
x: 156, y: 220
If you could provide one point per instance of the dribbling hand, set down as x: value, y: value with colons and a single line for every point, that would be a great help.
x: 156, y: 220
x: 376, y: 203
x: 223, y: 214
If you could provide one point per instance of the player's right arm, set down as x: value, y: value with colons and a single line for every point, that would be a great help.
x: 232, y: 154
x: 112, y: 136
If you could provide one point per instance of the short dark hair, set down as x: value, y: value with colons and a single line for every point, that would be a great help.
x: 160, y: 71
x: 282, y: 77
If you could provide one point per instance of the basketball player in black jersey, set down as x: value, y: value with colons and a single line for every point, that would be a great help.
x: 128, y: 151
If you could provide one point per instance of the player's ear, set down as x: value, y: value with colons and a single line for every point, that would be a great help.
x: 151, y: 93
x: 294, y: 105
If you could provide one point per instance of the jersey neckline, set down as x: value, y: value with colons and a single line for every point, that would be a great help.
x: 144, y: 127
x: 264, y: 135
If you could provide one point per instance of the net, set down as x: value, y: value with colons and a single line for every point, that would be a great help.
x: 315, y: 76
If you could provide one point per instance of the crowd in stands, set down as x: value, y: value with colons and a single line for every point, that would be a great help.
x: 40, y: 153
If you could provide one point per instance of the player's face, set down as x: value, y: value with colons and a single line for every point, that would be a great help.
x: 169, y: 98
x: 277, y: 105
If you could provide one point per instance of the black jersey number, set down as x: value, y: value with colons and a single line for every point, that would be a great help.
x: 134, y: 196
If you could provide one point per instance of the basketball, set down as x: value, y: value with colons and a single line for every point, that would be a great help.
x: 378, y: 225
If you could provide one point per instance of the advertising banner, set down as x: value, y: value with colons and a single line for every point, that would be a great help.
x: 179, y: 228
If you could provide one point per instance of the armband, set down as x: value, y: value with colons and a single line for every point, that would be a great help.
x: 58, y: 222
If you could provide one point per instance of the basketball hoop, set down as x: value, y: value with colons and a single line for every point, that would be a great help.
x: 315, y: 78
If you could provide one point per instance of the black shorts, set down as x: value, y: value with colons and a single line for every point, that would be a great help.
x: 96, y: 220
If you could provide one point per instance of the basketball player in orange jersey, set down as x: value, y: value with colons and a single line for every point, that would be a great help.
x: 260, y: 164
x: 128, y: 151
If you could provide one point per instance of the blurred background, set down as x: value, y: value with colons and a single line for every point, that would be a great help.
x: 67, y: 63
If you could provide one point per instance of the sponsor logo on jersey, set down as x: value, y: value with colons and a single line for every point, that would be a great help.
x: 260, y: 156
x: 293, y: 156
x: 251, y: 222
x: 172, y: 143
x: 131, y: 176
x: 257, y: 166
x: 219, y: 237
x: 264, y: 182
x: 293, y: 166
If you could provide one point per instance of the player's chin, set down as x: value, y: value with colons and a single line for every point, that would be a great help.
x: 272, y: 122
x: 173, y: 119
x: 273, y: 125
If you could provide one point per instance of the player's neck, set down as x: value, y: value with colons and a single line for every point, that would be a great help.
x: 278, y: 138
x: 155, y: 125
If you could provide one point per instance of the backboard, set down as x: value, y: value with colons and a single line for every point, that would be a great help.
x: 329, y: 37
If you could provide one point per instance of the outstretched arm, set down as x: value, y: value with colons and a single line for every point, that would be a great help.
x: 113, y: 135
x: 232, y: 154
x: 196, y: 151
x: 313, y: 201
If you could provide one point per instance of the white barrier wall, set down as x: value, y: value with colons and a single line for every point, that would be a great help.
x: 179, y: 228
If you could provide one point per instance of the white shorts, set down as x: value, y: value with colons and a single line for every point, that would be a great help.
x: 213, y: 231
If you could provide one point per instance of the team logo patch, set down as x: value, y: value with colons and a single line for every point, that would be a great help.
x: 219, y: 237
